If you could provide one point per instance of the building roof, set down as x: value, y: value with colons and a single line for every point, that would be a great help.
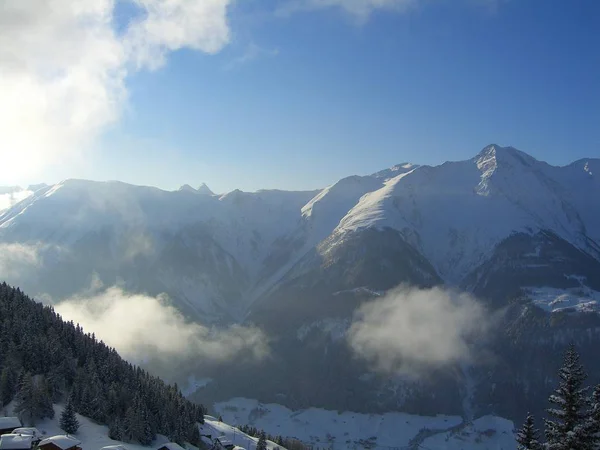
x: 172, y: 446
x: 15, y: 442
x: 61, y: 441
x: 30, y: 431
x: 9, y: 422
x: 114, y: 447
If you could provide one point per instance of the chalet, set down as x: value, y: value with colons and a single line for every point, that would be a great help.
x: 60, y: 442
x: 114, y: 447
x: 8, y: 424
x: 16, y: 442
x: 171, y: 446
x: 30, y: 431
x: 222, y: 443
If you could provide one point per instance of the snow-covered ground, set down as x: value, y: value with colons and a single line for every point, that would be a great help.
x: 94, y: 436
x: 485, y: 433
x: 216, y: 429
x: 91, y: 435
x: 580, y: 299
x: 349, y: 430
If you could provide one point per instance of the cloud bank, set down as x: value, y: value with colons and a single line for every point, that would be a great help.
x: 410, y: 332
x: 9, y: 198
x: 141, y: 327
x: 18, y: 258
x: 64, y: 67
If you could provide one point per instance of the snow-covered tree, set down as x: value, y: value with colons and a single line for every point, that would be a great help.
x: 25, y: 402
x: 594, y: 417
x: 43, y: 399
x: 568, y: 428
x: 68, y: 420
x: 115, y: 430
x: 262, y: 441
x: 528, y: 435
x: 7, y: 386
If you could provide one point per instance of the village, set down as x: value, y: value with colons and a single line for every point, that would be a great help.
x: 13, y: 436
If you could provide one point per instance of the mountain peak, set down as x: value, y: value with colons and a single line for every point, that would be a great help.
x: 396, y: 170
x: 187, y: 188
x: 204, y: 189
x: 493, y: 156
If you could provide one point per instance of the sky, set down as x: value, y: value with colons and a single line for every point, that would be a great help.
x: 289, y: 94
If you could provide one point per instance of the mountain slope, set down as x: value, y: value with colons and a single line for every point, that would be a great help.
x: 44, y: 359
x: 521, y: 235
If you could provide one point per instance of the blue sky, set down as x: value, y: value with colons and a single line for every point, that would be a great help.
x: 299, y: 100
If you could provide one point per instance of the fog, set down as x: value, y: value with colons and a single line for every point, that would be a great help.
x: 410, y: 332
x: 144, y: 328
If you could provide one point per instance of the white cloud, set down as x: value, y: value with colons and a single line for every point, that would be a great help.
x: 361, y: 10
x: 411, y: 331
x: 18, y: 258
x: 9, y: 199
x: 141, y: 326
x: 251, y: 53
x: 64, y: 67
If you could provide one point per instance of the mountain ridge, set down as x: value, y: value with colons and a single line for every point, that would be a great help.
x: 433, y: 208
x: 518, y: 234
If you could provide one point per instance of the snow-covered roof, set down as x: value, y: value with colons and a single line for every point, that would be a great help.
x: 61, y: 441
x: 114, y: 447
x: 9, y: 422
x: 15, y: 442
x: 28, y: 431
x: 172, y: 446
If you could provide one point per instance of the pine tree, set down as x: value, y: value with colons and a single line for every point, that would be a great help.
x: 24, y: 406
x: 147, y: 434
x: 7, y: 386
x: 115, y: 430
x: 68, y: 420
x: 262, y: 442
x: 594, y: 417
x: 528, y: 436
x: 43, y: 400
x: 569, y: 429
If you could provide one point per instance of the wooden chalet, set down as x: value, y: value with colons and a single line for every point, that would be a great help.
x: 60, y: 442
x: 170, y: 446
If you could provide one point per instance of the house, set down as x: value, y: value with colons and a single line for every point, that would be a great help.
x: 171, y: 446
x: 30, y: 431
x: 222, y: 443
x: 8, y: 424
x: 60, y: 442
x: 16, y: 442
x: 114, y: 447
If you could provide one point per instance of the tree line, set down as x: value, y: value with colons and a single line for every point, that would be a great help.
x: 573, y: 421
x: 45, y: 360
x: 288, y: 443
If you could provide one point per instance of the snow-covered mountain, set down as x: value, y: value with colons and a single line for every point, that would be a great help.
x: 520, y: 234
x: 11, y: 195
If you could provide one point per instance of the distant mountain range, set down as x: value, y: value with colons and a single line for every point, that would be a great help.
x: 521, y: 235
